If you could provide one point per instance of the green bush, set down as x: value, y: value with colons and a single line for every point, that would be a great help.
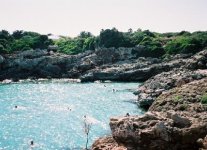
x: 20, y: 40
x: 183, y: 45
x: 113, y: 38
x: 178, y: 98
x: 204, y: 99
x: 85, y: 41
x: 155, y: 44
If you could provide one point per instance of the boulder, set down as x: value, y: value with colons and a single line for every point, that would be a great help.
x: 163, y: 131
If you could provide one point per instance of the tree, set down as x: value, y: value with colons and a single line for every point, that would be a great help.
x: 5, y: 35
x: 85, y: 34
x: 111, y: 38
x: 2, y: 50
x: 18, y: 34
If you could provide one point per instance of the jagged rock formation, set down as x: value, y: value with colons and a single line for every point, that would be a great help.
x: 104, y: 64
x: 155, y: 86
x: 123, y: 64
x: 164, y: 81
x: 176, y: 120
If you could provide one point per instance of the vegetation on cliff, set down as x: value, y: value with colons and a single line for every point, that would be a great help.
x: 22, y: 40
x: 154, y: 44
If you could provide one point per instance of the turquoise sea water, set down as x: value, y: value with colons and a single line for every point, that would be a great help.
x: 51, y: 114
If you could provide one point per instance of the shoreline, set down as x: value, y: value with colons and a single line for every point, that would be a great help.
x: 175, y: 117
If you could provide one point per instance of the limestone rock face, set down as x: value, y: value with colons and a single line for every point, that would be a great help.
x: 192, y: 68
x: 155, y: 86
x: 185, y: 98
x: 172, y: 123
x: 107, y: 143
x: 122, y: 64
x: 163, y: 131
x: 171, y: 130
x: 141, y: 69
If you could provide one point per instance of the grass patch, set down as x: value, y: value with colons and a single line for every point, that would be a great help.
x: 204, y: 99
x: 177, y: 98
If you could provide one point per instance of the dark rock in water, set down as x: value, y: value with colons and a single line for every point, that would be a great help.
x: 15, y: 79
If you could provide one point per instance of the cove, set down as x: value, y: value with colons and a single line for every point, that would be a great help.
x: 51, y: 113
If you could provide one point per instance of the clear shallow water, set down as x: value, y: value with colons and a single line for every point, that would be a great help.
x: 44, y: 116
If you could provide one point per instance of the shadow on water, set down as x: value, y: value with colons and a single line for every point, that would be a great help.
x: 132, y: 101
x: 126, y: 90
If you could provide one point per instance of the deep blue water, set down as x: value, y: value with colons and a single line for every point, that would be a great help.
x: 51, y: 114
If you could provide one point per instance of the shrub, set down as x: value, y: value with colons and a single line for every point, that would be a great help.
x: 183, y: 45
x: 204, y: 99
x: 177, y: 98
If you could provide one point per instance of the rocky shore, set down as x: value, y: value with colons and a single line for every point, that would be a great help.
x: 123, y: 64
x: 174, y: 93
x: 176, y: 119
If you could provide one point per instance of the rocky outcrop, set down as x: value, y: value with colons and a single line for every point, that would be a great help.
x: 187, y: 98
x: 123, y: 64
x: 170, y: 130
x: 155, y: 86
x: 178, y: 76
x: 176, y: 120
x: 41, y: 64
x: 107, y: 143
x: 141, y: 69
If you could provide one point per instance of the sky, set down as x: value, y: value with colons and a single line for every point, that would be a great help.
x: 70, y: 17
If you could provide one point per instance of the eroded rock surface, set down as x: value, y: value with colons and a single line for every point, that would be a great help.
x: 166, y: 126
x: 155, y: 86
x: 123, y: 64
x: 186, y: 98
x: 192, y: 68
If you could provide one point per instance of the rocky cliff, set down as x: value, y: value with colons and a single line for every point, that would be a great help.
x: 176, y: 120
x: 123, y: 64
